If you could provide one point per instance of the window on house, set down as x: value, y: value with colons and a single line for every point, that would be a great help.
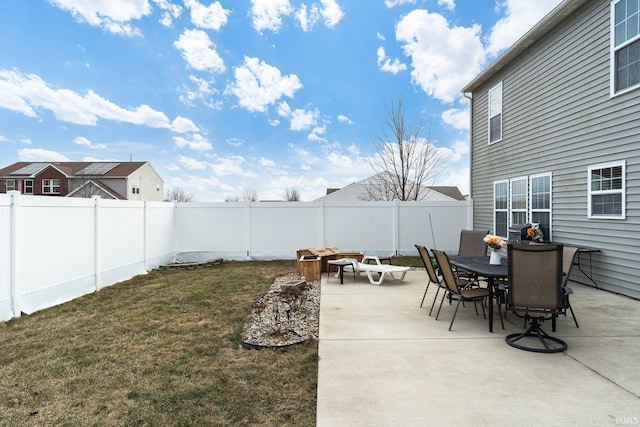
x: 11, y: 185
x: 28, y: 186
x: 626, y: 44
x: 519, y: 201
x: 541, y: 201
x: 529, y: 201
x: 607, y: 191
x: 50, y: 186
x: 495, y: 113
x: 500, y: 208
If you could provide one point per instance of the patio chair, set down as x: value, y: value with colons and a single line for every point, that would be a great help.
x: 431, y: 273
x: 471, y: 244
x: 461, y: 288
x: 535, y: 293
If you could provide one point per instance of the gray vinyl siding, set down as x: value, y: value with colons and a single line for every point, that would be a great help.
x: 558, y: 117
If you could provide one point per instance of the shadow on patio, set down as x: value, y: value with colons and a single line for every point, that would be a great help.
x: 385, y: 362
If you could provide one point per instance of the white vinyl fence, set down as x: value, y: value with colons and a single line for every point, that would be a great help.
x: 55, y: 249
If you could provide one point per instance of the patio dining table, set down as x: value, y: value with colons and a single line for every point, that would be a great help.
x: 481, y: 267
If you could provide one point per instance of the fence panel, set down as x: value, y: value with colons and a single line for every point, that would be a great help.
x: 54, y: 250
x: 160, y: 236
x: 67, y: 247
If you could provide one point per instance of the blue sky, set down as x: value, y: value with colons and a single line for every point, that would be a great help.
x: 227, y: 96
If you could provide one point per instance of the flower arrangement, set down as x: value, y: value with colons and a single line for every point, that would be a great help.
x: 494, y: 242
x: 535, y: 233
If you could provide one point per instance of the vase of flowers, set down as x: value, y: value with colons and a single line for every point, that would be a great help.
x: 535, y: 233
x: 495, y: 243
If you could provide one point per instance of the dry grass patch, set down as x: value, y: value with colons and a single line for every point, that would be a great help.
x: 160, y: 349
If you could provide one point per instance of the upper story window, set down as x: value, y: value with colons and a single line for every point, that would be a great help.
x: 625, y: 15
x: 607, y: 191
x: 495, y: 113
x: 50, y: 186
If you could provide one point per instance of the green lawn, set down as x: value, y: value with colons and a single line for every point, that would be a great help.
x: 162, y: 349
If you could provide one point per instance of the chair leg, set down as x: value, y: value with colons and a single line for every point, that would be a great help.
x: 567, y: 304
x: 441, y: 301
x: 455, y: 312
x: 434, y: 300
x: 425, y: 293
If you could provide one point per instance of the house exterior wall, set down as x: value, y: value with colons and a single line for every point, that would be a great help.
x: 558, y: 117
x: 148, y: 181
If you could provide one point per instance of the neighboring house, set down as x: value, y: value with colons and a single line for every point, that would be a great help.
x: 356, y: 191
x: 109, y: 180
x: 555, y: 136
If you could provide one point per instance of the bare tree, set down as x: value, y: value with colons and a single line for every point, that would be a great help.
x: 177, y: 195
x: 291, y: 195
x: 230, y: 199
x: 406, y: 159
x: 249, y: 195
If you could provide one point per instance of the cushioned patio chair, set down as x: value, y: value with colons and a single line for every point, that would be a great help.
x: 432, y: 275
x: 461, y: 288
x: 535, y: 293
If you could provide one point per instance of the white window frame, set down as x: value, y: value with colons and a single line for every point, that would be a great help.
x: 622, y: 191
x: 495, y: 209
x: 10, y: 185
x: 548, y: 210
x: 49, y: 186
x: 494, y: 107
x: 616, y: 46
x: 526, y: 200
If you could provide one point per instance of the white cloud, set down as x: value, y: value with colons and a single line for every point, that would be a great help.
x: 81, y: 140
x: 211, y: 17
x: 235, y: 142
x: 182, y: 125
x: 267, y: 14
x: 520, y: 16
x: 112, y: 16
x: 199, y: 51
x: 26, y: 93
x: 301, y: 119
x: 307, y: 19
x: 344, y: 119
x: 201, y: 91
x: 387, y: 65
x: 40, y: 155
x: 448, y: 4
x: 259, y: 85
x: 192, y: 164
x: 393, y: 3
x: 443, y: 58
x: 195, y: 142
x: 456, y: 118
x: 231, y: 165
x: 169, y: 12
x: 267, y: 163
x: 331, y: 12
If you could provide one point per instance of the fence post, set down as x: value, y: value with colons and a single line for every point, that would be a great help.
x: 13, y: 233
x: 145, y: 233
x: 96, y: 241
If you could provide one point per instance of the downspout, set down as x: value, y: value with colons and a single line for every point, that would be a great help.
x: 470, y: 98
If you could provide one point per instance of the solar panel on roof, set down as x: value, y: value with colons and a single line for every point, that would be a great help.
x: 30, y: 169
x: 97, y: 169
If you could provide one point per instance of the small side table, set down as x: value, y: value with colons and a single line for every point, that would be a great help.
x: 341, y: 265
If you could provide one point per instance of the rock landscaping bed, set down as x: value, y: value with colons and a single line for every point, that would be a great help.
x: 287, y: 314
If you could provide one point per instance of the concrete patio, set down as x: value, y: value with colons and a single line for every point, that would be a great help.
x: 385, y: 362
